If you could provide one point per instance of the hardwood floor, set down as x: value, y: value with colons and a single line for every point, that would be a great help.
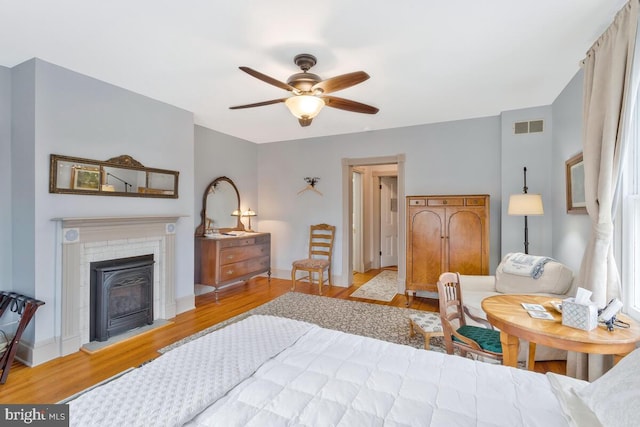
x: 57, y: 379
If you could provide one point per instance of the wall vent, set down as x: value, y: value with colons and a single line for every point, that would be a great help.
x: 533, y: 126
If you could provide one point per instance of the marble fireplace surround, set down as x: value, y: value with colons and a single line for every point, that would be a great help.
x: 86, y: 240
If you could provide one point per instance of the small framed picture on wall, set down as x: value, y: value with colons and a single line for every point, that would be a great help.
x: 576, y: 201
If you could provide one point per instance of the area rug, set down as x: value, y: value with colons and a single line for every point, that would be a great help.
x: 359, y: 318
x: 382, y: 287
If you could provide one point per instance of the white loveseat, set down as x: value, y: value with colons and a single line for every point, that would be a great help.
x: 556, y: 280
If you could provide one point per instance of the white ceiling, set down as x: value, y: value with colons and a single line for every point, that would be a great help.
x: 429, y: 61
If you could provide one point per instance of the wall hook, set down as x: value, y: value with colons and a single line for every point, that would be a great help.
x: 311, y: 185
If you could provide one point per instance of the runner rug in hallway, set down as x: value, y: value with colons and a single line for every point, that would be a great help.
x: 382, y: 287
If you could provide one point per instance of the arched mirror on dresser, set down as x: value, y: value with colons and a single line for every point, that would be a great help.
x: 220, y: 208
x: 225, y: 253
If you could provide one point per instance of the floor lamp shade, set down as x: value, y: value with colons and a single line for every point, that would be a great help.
x: 525, y: 204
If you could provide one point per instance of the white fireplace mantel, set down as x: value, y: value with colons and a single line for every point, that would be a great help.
x: 86, y: 240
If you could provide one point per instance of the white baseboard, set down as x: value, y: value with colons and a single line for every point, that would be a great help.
x: 35, y: 355
x: 185, y: 303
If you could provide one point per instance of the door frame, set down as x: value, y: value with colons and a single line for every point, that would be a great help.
x: 347, y: 214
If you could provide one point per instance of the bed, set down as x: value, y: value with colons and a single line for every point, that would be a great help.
x: 271, y: 371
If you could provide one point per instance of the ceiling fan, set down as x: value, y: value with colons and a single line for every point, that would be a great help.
x: 309, y: 91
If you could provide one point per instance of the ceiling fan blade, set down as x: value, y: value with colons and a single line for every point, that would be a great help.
x: 277, y: 83
x: 258, y: 104
x: 348, y: 105
x: 337, y: 83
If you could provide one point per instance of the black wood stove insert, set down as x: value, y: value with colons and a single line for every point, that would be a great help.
x: 121, y: 296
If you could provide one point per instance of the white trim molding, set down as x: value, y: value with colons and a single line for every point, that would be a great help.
x: 86, y: 240
x: 347, y: 217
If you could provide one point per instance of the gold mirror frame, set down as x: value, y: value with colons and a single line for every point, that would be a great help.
x: 206, y: 223
x: 119, y: 176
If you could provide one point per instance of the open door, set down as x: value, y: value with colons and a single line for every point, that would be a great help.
x: 388, y: 221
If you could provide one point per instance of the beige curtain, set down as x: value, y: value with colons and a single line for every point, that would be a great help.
x: 610, y: 87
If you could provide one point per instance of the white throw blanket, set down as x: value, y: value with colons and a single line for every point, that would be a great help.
x: 181, y: 383
x: 525, y: 265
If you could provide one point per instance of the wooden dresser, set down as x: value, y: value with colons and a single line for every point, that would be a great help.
x: 224, y: 260
x: 446, y: 233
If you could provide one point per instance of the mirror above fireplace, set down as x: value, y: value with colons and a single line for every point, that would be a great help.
x: 119, y: 176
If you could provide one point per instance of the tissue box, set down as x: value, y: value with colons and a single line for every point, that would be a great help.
x: 579, y: 316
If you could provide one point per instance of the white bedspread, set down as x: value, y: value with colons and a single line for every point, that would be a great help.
x: 330, y: 378
x: 181, y: 383
x: 269, y: 371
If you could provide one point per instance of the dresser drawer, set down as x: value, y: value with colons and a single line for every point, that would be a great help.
x: 448, y: 201
x: 474, y: 201
x: 232, y: 243
x: 417, y: 202
x: 241, y: 253
x: 242, y: 268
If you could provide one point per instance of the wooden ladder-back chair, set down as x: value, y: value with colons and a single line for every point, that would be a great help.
x: 321, y: 238
x: 457, y: 334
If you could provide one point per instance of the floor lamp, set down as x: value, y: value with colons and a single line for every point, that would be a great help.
x: 525, y: 204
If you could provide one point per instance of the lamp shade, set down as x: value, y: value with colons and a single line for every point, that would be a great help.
x: 249, y: 212
x: 525, y: 204
x: 236, y: 212
x: 304, y: 106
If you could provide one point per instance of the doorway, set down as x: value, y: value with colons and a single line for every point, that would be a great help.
x: 373, y: 172
x: 375, y: 217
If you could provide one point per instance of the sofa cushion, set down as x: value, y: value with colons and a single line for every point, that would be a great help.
x: 556, y: 279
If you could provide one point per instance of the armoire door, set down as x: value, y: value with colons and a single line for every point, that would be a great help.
x: 426, y: 248
x: 466, y: 240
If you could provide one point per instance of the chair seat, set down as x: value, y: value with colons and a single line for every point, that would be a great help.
x: 311, y: 263
x: 428, y: 322
x: 487, y: 339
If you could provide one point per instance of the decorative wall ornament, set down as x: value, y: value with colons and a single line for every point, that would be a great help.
x: 311, y: 185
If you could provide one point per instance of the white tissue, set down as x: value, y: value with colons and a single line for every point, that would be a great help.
x: 583, y: 296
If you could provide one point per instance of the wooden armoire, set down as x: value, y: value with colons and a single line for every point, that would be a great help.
x: 445, y: 233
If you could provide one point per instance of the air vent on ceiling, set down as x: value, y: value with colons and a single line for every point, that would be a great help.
x: 533, y: 126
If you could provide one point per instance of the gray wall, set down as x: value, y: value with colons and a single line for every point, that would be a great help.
x: 570, y: 232
x: 23, y: 178
x: 218, y: 154
x: 5, y: 178
x: 532, y: 150
x: 461, y: 157
x: 59, y: 111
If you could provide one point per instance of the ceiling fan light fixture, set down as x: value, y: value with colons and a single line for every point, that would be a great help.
x: 304, y: 106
